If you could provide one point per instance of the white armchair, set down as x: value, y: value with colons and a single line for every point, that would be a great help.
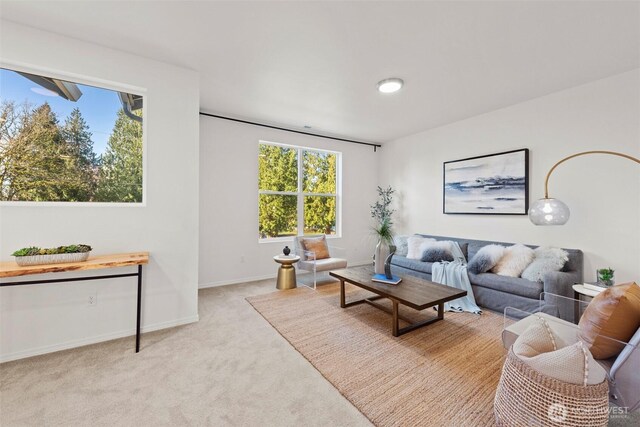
x: 310, y: 263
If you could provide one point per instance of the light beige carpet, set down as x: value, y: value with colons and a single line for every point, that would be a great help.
x: 229, y: 369
x: 444, y: 374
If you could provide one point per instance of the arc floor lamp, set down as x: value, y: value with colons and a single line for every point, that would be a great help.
x: 550, y: 211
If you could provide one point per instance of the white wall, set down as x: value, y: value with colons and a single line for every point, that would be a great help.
x: 42, y: 318
x: 603, y: 192
x: 229, y: 248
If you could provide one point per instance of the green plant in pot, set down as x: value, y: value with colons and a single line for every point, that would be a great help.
x: 381, y: 211
x: 34, y: 255
x: 605, y: 276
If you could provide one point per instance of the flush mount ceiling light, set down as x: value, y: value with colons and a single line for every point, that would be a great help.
x: 390, y: 85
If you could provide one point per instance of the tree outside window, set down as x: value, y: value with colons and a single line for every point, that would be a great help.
x: 297, y: 191
x: 66, y: 142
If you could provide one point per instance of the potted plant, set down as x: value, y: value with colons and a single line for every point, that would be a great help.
x: 34, y: 255
x: 605, y: 276
x: 381, y: 211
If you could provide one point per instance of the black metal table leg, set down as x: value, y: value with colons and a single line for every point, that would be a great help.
x: 139, y: 307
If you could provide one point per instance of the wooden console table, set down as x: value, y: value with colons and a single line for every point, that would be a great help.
x: 11, y: 269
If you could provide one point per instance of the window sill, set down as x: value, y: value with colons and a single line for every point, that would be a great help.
x: 290, y: 239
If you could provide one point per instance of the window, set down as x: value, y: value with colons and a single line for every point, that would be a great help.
x: 62, y: 141
x: 298, y: 191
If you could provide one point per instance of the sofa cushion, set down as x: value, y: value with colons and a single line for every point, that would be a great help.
x: 438, y: 245
x: 414, y: 244
x: 412, y: 264
x: 435, y: 254
x: 402, y: 245
x: 613, y: 313
x: 545, y: 260
x: 485, y: 259
x: 515, y: 259
x: 512, y: 285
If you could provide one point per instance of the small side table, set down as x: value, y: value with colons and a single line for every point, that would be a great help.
x: 578, y: 290
x: 286, y: 272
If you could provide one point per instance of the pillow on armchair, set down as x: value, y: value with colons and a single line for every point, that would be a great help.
x: 613, y: 313
x: 318, y: 245
x: 543, y: 351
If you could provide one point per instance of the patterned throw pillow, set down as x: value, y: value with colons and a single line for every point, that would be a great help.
x: 485, y: 259
x: 545, y: 260
x: 515, y: 259
x: 318, y: 245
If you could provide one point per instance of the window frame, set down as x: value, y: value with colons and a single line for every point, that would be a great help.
x: 300, y: 194
x: 101, y: 84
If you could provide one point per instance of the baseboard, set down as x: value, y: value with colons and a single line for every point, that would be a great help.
x: 235, y: 281
x: 263, y: 277
x: 95, y: 339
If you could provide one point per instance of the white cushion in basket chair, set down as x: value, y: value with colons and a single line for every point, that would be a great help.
x: 546, y: 353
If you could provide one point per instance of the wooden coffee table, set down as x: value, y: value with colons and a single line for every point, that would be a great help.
x: 412, y: 292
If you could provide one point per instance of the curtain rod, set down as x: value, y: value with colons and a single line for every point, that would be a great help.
x: 375, y: 146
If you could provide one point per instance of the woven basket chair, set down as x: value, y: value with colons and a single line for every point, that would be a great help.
x: 527, y: 398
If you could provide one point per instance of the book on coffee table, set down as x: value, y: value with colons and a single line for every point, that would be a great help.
x: 383, y: 279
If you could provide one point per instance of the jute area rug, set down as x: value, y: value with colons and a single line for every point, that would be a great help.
x: 444, y: 374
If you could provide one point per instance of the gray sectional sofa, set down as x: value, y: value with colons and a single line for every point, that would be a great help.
x: 497, y: 292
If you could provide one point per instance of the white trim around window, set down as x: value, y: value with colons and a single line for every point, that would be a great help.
x: 300, y: 194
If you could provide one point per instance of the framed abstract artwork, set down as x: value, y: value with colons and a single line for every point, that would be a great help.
x: 495, y: 184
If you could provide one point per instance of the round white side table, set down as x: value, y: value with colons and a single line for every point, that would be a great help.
x: 286, y: 272
x: 580, y: 290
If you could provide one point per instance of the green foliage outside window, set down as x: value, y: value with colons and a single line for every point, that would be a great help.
x: 42, y: 159
x: 316, y: 193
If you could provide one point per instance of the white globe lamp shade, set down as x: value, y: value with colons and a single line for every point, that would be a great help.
x: 549, y: 212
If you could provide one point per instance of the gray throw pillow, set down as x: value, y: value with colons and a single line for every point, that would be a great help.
x: 485, y: 259
x: 436, y: 255
x: 545, y: 261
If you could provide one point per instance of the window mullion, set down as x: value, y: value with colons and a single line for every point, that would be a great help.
x: 300, y: 195
x: 320, y: 194
x: 279, y: 193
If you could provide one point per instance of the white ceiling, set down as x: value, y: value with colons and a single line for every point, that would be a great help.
x: 317, y: 63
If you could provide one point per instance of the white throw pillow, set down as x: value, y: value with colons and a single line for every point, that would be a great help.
x: 545, y: 260
x: 402, y: 245
x: 542, y: 350
x: 515, y: 259
x: 414, y: 243
x: 436, y: 244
